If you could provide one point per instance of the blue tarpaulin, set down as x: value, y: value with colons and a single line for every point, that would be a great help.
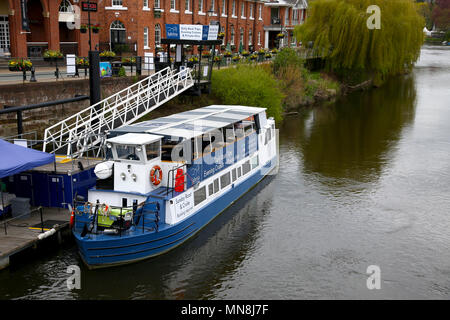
x: 15, y: 159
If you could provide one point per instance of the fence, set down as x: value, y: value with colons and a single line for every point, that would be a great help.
x: 4, y: 224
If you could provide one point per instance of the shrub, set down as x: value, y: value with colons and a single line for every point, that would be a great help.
x: 249, y: 86
x: 286, y: 57
x: 122, y: 72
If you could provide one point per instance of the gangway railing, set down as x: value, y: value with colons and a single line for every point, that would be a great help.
x: 84, y: 130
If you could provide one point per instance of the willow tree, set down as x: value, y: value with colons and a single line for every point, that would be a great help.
x: 339, y: 31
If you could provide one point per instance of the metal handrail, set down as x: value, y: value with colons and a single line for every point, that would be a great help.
x: 6, y: 222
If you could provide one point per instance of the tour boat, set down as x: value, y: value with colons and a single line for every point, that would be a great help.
x: 165, y: 179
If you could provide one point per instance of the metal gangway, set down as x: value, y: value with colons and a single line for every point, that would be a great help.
x: 85, y: 130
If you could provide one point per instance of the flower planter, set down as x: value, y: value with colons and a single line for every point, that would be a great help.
x: 52, y: 59
x: 83, y: 30
x: 95, y: 30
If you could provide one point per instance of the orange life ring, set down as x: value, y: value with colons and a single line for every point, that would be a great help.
x: 154, y: 178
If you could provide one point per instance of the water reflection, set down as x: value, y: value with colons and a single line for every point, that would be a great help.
x: 355, y: 137
x: 192, y: 271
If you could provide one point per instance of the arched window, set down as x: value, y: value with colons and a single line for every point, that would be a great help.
x: 118, y: 34
x: 232, y: 35
x: 65, y: 6
x: 157, y: 35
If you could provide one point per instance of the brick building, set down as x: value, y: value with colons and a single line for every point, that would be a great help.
x: 136, y: 26
x: 141, y: 24
x: 50, y: 26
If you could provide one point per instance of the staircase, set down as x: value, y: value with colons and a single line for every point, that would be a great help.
x: 84, y: 131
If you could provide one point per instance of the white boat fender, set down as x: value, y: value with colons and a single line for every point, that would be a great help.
x: 46, y: 234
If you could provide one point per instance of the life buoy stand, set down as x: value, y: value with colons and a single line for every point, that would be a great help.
x: 156, y: 175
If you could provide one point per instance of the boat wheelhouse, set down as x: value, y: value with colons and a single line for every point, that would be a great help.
x: 168, y: 177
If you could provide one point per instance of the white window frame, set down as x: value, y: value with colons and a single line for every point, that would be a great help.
x: 260, y: 12
x: 158, y: 34
x: 243, y: 10
x: 251, y: 11
x: 157, y: 4
x: 233, y: 12
x: 224, y: 8
x: 286, y: 16
x: 259, y: 38
x: 146, y: 38
x: 250, y: 37
x: 200, y: 8
x: 232, y: 36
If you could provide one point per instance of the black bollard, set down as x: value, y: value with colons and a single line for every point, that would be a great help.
x: 33, y: 77
x: 138, y: 66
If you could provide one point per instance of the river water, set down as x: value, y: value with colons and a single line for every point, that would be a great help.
x: 362, y: 181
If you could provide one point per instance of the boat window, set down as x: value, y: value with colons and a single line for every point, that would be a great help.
x: 171, y: 148
x: 225, y: 180
x: 210, y: 189
x: 217, y: 141
x: 255, y: 162
x: 239, y: 130
x: 239, y: 171
x: 128, y: 152
x: 199, y: 195
x: 228, y: 134
x: 268, y: 136
x: 246, y: 167
x: 216, y: 185
x: 206, y: 143
x: 233, y: 174
x: 248, y: 127
x: 152, y: 150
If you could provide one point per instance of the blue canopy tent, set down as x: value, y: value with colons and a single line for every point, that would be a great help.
x: 15, y: 159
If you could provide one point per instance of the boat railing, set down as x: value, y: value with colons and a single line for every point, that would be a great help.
x: 172, y: 183
x: 123, y: 211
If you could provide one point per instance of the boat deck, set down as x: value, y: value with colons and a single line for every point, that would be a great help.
x: 64, y: 165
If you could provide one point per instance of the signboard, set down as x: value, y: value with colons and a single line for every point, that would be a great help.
x: 191, y: 32
x: 71, y: 64
x: 105, y: 69
x: 23, y: 8
x: 89, y: 6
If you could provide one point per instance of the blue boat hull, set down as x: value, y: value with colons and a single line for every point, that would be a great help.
x: 104, y: 251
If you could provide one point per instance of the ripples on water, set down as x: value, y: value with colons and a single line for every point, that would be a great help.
x: 363, y: 181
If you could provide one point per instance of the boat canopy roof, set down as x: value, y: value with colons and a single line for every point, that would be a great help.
x: 135, y: 139
x: 193, y: 123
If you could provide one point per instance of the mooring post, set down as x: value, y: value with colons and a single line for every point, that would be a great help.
x: 42, y: 220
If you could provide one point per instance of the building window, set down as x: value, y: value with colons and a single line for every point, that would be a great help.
x: 199, y: 196
x: 260, y: 12
x: 234, y: 8
x: 145, y: 37
x: 4, y: 34
x: 224, y: 8
x: 286, y: 16
x: 157, y: 4
x: 145, y: 3
x: 157, y: 35
x: 117, y: 3
x: 295, y: 16
x: 232, y: 35
x: 250, y: 36
x: 259, y: 38
x: 251, y: 10
x: 200, y: 5
x: 213, y: 5
x: 241, y: 39
x: 117, y: 33
x: 243, y: 10
x: 187, y: 5
x: 173, y: 5
x: 65, y: 6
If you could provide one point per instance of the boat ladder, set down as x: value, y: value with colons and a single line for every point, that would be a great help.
x: 85, y: 131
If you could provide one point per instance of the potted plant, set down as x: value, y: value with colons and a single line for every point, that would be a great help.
x: 227, y: 54
x: 82, y: 63
x: 253, y: 57
x: 191, y: 61
x: 96, y: 28
x: 236, y: 58
x: 19, y: 65
x: 107, y: 55
x: 268, y: 56
x: 83, y: 28
x: 245, y: 53
x: 53, y: 55
x: 206, y: 54
x: 221, y: 35
x: 261, y: 52
x: 274, y: 51
x: 128, y: 61
x: 280, y: 36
